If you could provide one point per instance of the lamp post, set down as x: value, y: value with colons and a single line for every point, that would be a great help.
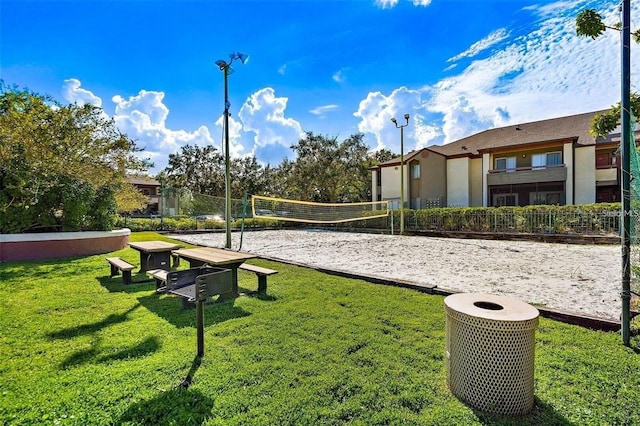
x: 401, y: 127
x: 226, y: 69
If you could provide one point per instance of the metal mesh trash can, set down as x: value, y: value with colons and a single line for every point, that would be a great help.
x: 490, y: 351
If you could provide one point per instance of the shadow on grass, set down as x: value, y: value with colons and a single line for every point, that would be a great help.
x: 169, y: 307
x: 92, y: 354
x: 541, y: 414
x: 175, y: 406
x: 71, y: 332
x: 254, y: 294
x: 178, y: 406
x: 114, y: 284
x: 144, y: 348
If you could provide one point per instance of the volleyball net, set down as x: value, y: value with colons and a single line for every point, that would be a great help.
x: 319, y: 213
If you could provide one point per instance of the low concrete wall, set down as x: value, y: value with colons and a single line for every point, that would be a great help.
x: 61, y: 244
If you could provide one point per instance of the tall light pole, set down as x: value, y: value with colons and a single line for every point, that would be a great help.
x: 226, y: 69
x: 625, y: 138
x: 401, y: 127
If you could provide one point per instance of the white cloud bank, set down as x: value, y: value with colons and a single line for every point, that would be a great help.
x: 264, y: 114
x: 262, y: 130
x: 72, y: 93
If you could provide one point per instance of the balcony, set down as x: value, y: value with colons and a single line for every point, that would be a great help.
x: 518, y: 175
x: 607, y: 176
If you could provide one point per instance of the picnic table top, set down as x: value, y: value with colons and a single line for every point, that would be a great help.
x: 214, y: 256
x: 154, y: 246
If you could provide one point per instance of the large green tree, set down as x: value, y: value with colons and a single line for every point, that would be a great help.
x: 328, y: 171
x: 61, y: 166
x: 324, y: 170
x: 201, y: 170
x: 589, y: 23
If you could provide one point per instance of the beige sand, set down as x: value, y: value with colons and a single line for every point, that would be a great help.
x: 583, y: 279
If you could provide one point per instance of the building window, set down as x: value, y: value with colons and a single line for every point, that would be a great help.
x: 605, y: 160
x: 507, y: 164
x: 379, y: 178
x: 549, y: 197
x: 415, y: 171
x: 541, y: 161
x: 505, y: 200
x: 146, y: 191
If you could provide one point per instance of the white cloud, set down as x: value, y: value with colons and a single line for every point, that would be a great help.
x: 236, y: 145
x: 72, y: 93
x: 552, y: 8
x: 264, y: 114
x: 376, y: 111
x: 477, y: 47
x: 386, y: 4
x: 321, y: 111
x: 339, y: 76
x: 548, y: 73
x: 282, y: 70
x: 143, y: 118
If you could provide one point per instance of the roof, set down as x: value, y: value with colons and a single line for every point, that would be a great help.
x: 407, y: 157
x: 142, y: 180
x: 572, y: 127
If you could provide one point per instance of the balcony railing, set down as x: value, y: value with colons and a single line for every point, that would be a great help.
x: 530, y: 174
x: 520, y: 169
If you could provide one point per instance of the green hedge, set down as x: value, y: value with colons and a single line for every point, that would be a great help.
x: 598, y: 219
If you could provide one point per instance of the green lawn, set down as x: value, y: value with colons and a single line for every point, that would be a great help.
x: 78, y: 347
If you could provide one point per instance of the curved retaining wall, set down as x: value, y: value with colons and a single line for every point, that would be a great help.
x: 61, y: 244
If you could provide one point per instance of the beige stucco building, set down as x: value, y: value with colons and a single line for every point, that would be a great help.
x: 552, y: 161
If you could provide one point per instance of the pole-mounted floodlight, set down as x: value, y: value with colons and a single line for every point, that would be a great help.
x: 225, y: 67
x: 401, y: 127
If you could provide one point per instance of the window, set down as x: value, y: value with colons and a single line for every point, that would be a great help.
x: 605, y: 160
x: 548, y: 197
x: 415, y: 171
x: 379, y: 177
x: 554, y: 158
x: 507, y: 164
x: 505, y: 200
x: 541, y: 161
x: 146, y: 191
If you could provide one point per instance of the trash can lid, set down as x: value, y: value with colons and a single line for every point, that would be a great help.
x: 490, y: 306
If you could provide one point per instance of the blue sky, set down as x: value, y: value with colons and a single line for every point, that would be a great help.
x: 334, y: 67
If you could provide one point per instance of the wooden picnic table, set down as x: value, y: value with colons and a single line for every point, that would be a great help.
x: 154, y: 254
x: 217, y: 257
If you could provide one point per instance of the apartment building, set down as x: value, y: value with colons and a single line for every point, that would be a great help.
x: 553, y: 161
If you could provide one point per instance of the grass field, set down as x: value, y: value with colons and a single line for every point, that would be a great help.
x: 80, y: 348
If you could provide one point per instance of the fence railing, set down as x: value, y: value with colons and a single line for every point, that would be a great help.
x: 553, y: 220
x: 593, y: 219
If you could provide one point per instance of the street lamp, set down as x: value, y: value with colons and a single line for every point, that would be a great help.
x: 401, y: 127
x: 225, y: 67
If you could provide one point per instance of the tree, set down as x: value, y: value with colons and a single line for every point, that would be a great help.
x: 589, y: 23
x: 329, y: 171
x: 60, y: 165
x: 198, y: 169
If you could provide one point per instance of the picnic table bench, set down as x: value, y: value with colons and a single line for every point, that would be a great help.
x: 261, y: 273
x: 160, y: 276
x: 118, y: 265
